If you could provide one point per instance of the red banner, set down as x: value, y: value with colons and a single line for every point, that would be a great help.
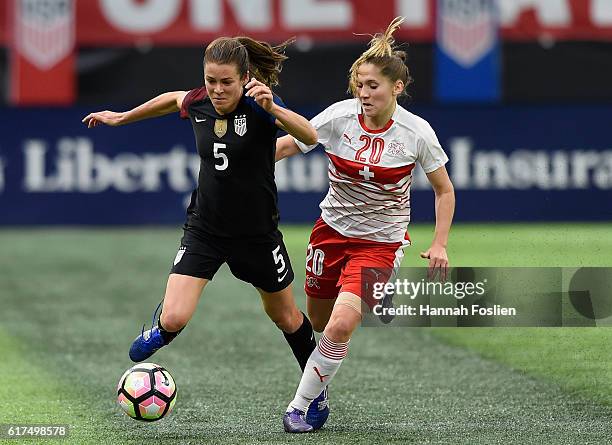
x: 4, y: 24
x: 117, y: 22
x: 556, y: 19
x: 194, y: 22
x: 42, y: 52
x: 173, y: 22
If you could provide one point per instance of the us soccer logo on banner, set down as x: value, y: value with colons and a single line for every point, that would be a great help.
x: 467, y: 29
x: 45, y: 30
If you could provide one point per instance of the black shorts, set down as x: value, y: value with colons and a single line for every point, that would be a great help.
x: 262, y: 262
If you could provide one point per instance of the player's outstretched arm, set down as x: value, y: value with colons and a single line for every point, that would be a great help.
x: 294, y: 124
x: 445, y: 208
x: 285, y: 147
x: 165, y: 103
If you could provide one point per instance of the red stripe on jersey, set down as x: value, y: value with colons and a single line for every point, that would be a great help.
x: 370, y: 173
x: 391, y: 192
x: 192, y: 96
x: 382, y: 130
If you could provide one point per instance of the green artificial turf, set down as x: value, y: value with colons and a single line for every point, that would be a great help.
x: 73, y: 300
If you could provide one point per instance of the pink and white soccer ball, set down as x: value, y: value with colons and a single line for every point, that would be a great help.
x: 146, y: 392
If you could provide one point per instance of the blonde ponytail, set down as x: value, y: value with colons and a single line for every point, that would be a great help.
x: 382, y: 52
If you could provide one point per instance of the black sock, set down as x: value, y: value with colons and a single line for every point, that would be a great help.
x: 167, y: 335
x: 302, y: 342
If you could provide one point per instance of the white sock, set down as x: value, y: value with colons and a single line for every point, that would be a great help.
x: 320, y: 369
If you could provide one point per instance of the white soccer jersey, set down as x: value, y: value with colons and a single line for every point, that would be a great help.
x: 370, y: 171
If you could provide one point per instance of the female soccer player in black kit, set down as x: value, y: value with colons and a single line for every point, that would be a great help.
x: 233, y: 214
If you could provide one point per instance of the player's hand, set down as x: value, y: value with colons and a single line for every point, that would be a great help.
x: 103, y: 117
x: 261, y: 93
x: 438, y: 262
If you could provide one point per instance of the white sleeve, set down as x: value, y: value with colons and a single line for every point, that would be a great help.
x: 430, y: 154
x: 324, y: 124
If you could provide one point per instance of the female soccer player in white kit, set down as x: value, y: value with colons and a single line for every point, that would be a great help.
x: 373, y: 144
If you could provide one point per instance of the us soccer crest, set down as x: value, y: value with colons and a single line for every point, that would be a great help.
x: 179, y: 255
x: 45, y: 30
x: 467, y: 29
x: 240, y: 125
x: 220, y: 127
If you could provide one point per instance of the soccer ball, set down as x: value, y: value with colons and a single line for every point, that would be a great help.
x: 146, y: 392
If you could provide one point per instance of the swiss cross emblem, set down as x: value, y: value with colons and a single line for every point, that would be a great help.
x: 366, y: 173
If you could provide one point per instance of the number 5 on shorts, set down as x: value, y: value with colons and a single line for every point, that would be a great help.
x: 278, y: 259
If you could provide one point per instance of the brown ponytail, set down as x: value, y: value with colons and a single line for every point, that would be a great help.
x: 263, y: 60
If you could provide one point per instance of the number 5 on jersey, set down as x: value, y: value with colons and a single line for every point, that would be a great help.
x: 218, y: 155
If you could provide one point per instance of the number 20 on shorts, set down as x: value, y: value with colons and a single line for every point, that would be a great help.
x: 314, y: 260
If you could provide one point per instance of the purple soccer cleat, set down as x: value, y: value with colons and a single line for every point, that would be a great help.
x: 294, y: 422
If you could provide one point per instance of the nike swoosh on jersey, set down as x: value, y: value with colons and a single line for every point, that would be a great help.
x: 283, y: 277
x: 199, y: 120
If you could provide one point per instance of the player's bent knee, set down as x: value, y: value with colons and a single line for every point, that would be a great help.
x: 339, y: 329
x: 172, y: 321
x: 345, y: 317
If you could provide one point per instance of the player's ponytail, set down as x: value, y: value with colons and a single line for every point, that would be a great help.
x: 382, y: 52
x: 263, y: 60
x: 266, y: 61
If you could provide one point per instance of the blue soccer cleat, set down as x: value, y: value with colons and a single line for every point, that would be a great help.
x: 318, y: 411
x: 294, y: 422
x: 146, y: 344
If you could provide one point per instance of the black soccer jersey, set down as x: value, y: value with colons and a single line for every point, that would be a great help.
x: 236, y: 194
